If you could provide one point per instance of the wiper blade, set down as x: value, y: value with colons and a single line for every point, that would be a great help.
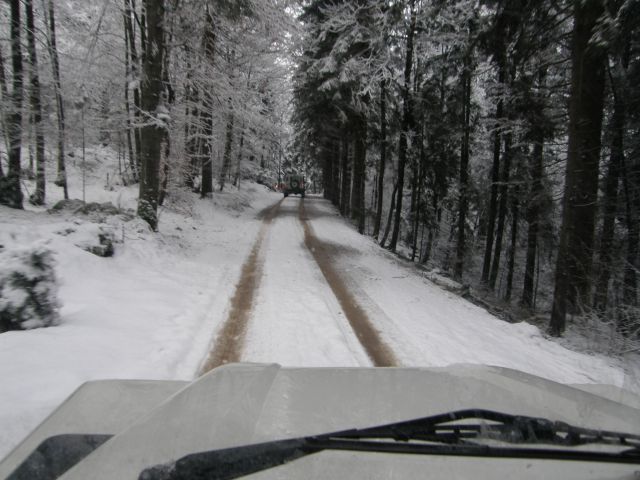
x: 517, y: 429
x: 436, y: 435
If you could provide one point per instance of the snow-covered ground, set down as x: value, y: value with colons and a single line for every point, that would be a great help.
x: 148, y: 312
x: 153, y: 309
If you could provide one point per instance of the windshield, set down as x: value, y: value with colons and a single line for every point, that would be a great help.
x: 229, y: 224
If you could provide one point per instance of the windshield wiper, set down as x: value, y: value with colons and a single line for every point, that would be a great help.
x: 450, y: 434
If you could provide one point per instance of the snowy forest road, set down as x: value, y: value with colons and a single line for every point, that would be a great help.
x: 316, y: 293
x: 291, y: 304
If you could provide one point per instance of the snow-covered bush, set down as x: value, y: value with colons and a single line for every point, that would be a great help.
x: 28, y: 288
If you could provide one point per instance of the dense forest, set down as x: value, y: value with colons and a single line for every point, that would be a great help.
x: 496, y: 141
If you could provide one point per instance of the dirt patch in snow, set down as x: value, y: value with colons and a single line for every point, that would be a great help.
x: 230, y: 339
x: 325, y: 255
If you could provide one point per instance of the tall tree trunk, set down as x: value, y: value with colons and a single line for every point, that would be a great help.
x: 464, y: 169
x: 417, y: 220
x: 38, y: 197
x: 226, y: 159
x: 631, y: 182
x: 326, y: 150
x: 394, y: 194
x: 130, y: 14
x: 345, y: 190
x: 336, y: 183
x: 413, y: 205
x: 502, y: 211
x: 152, y: 132
x: 132, y: 75
x: 359, y: 161
x: 206, y: 186
x: 165, y: 152
x: 405, y: 125
x: 434, y: 229
x: 10, y: 191
x: 515, y: 210
x: 192, y: 145
x: 143, y: 28
x: 209, y: 43
x: 61, y: 178
x: 169, y: 97
x: 327, y: 172
x: 610, y: 204
x: 236, y: 177
x: 383, y: 158
x: 612, y: 179
x: 495, y: 178
x: 5, y: 98
x: 133, y: 166
x: 573, y: 267
x: 533, y: 217
x: 192, y: 132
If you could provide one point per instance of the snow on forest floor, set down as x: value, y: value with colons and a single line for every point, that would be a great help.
x: 148, y: 312
x: 152, y: 310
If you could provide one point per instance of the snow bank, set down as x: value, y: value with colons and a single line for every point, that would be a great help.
x: 28, y: 288
x: 150, y: 311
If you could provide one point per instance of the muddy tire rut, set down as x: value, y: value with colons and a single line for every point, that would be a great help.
x: 378, y: 351
x: 229, y: 342
x: 228, y: 345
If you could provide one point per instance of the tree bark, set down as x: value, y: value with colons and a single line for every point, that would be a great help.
x: 574, y: 261
x: 359, y: 162
x: 61, y: 178
x: 132, y: 75
x: 226, y: 161
x: 610, y: 204
x: 10, y: 190
x: 390, y: 216
x: 417, y: 220
x: 206, y: 184
x: 502, y: 211
x: 383, y: 158
x: 495, y: 179
x: 515, y: 210
x: 38, y: 197
x: 631, y: 182
x: 533, y: 218
x: 434, y: 229
x: 236, y: 178
x: 464, y: 169
x: 327, y: 170
x: 345, y: 190
x: 335, y: 168
x: 169, y: 99
x: 152, y: 132
x: 405, y: 126
x: 5, y: 97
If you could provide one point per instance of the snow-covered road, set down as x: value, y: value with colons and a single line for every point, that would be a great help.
x: 298, y: 317
x: 155, y: 309
x: 297, y: 321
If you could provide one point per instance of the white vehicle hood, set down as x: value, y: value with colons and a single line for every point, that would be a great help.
x: 244, y: 404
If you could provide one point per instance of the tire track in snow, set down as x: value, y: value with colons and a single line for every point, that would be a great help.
x: 230, y: 338
x: 378, y: 351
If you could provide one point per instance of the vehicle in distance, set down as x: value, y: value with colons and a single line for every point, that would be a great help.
x: 293, y: 185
